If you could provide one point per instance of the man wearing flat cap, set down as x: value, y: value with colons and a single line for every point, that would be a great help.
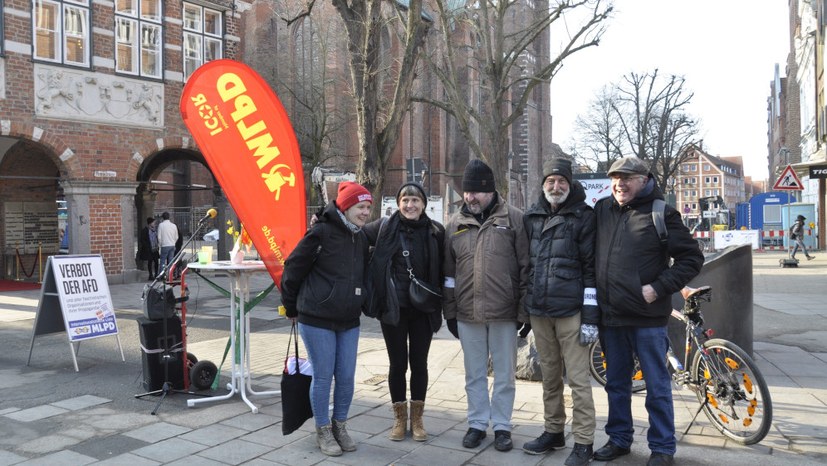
x: 486, y: 271
x: 562, y: 304
x: 637, y: 274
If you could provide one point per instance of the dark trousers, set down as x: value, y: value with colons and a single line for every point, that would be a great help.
x: 650, y: 344
x: 409, y: 342
x: 152, y: 264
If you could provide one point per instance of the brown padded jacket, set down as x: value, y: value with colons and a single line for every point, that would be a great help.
x: 486, y: 266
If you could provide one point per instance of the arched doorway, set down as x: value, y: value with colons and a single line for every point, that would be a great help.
x: 33, y: 225
x: 178, y: 181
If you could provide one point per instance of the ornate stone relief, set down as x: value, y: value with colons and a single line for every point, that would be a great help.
x: 95, y: 97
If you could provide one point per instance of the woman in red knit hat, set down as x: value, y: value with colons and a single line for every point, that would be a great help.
x: 323, y: 288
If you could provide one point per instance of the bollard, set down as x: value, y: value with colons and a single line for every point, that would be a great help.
x: 729, y: 313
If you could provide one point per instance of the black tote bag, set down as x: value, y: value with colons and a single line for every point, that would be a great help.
x: 295, y: 387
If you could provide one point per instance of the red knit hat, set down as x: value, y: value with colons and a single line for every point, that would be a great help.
x: 350, y: 194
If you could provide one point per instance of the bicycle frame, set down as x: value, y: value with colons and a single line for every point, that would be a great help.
x: 730, y: 389
x: 695, y: 336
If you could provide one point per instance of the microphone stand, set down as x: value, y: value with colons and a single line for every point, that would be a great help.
x: 167, y: 276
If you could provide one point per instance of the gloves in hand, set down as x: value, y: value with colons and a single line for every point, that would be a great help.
x: 452, y: 327
x: 588, y: 334
x: 523, y: 329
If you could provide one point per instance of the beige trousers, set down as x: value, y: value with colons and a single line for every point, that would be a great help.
x: 558, y: 347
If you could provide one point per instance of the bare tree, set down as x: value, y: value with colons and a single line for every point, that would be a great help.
x: 656, y: 126
x: 381, y: 83
x: 600, y: 132
x: 380, y: 80
x: 299, y: 69
x: 483, y: 43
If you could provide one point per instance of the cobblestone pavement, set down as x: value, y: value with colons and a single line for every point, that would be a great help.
x: 52, y: 415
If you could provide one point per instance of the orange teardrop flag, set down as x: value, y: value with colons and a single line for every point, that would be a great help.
x: 248, y: 143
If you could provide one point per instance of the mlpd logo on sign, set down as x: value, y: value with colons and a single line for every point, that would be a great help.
x: 256, y: 136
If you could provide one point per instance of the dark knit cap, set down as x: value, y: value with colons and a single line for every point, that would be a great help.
x: 417, y: 187
x: 801, y: 217
x: 478, y: 178
x: 557, y: 166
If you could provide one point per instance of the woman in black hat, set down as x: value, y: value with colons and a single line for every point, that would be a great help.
x: 797, y: 235
x: 408, y: 330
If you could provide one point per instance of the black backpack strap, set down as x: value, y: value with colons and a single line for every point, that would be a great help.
x: 659, y: 219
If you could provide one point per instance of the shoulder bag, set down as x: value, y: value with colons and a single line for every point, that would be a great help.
x: 424, y: 297
x: 295, y: 387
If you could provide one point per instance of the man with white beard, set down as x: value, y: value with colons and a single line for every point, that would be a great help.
x: 562, y: 305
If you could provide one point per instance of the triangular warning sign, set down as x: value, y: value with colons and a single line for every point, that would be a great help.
x: 788, y: 181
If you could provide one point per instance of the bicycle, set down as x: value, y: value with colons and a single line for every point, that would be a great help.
x: 730, y: 388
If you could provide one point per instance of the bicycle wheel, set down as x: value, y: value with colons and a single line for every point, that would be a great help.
x: 597, y: 366
x: 732, y: 391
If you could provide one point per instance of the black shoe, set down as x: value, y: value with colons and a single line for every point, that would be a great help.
x: 809, y: 258
x: 502, y: 440
x: 580, y: 455
x: 545, y: 443
x: 473, y: 438
x: 660, y: 459
x: 610, y: 451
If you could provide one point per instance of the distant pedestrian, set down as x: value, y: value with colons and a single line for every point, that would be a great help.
x: 167, y: 237
x: 486, y: 274
x: 797, y: 235
x: 323, y: 288
x: 148, y: 249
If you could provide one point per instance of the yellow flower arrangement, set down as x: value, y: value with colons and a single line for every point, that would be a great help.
x: 240, y: 236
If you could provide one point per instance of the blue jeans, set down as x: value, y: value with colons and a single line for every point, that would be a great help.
x: 620, y: 344
x: 479, y: 341
x: 333, y: 355
x: 799, y: 243
x: 167, y: 254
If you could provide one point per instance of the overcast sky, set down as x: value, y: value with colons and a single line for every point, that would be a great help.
x: 726, y: 50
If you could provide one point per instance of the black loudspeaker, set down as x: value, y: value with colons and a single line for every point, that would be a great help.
x: 158, y: 302
x: 153, y: 339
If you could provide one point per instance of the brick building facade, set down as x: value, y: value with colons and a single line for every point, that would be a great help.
x: 89, y: 93
x: 92, y: 142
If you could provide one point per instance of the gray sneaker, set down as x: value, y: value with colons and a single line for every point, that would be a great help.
x: 327, y: 443
x: 341, y: 436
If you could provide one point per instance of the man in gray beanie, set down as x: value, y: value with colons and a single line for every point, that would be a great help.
x: 562, y: 303
x: 486, y: 271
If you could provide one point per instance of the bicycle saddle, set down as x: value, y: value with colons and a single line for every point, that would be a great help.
x: 688, y: 292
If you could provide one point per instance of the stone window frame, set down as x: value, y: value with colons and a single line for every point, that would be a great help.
x: 2, y: 34
x: 64, y: 44
x: 139, y: 34
x: 197, y: 39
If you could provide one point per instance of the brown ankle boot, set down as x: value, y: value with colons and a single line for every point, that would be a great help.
x: 400, y: 421
x: 417, y: 429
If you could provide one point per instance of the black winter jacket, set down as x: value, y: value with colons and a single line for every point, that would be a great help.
x: 388, y: 279
x: 323, y: 280
x: 629, y: 255
x: 562, y: 258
